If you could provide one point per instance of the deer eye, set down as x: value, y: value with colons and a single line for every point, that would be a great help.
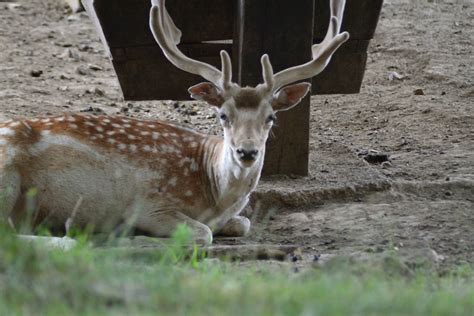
x: 224, y: 117
x: 271, y: 118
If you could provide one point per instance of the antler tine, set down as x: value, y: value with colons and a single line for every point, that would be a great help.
x: 168, y: 36
x: 226, y: 70
x: 321, y: 53
x: 267, y: 73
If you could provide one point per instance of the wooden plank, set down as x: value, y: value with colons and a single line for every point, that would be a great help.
x: 125, y: 22
x: 360, y: 18
x: 145, y: 74
x: 345, y: 72
x: 343, y: 75
x: 264, y: 28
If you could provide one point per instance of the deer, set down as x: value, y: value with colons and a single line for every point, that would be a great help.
x: 155, y: 174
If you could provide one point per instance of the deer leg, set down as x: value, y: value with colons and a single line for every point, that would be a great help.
x: 237, y: 226
x: 9, y: 192
x: 163, y: 224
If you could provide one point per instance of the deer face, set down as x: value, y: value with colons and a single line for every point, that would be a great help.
x: 247, y: 115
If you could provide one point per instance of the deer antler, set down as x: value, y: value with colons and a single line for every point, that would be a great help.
x: 168, y: 37
x: 322, y: 54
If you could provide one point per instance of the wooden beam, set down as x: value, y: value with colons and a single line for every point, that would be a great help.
x: 285, y: 32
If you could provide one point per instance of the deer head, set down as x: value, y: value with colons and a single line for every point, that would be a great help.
x: 247, y: 113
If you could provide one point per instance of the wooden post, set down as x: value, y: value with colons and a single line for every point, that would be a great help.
x: 285, y: 32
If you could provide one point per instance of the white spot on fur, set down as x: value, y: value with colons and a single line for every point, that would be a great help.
x: 90, y: 124
x: 59, y: 119
x: 73, y: 126
x: 99, y: 129
x: 127, y: 125
x: 45, y: 120
x: 110, y: 133
x: 71, y: 119
x: 106, y: 120
x: 121, y: 146
x: 117, y: 125
x: 5, y: 131
x: 155, y: 135
x: 121, y: 131
x: 131, y: 137
x: 194, y: 166
x: 193, y: 145
x: 133, y: 148
x: 173, y: 181
x: 147, y: 148
x: 45, y: 133
x: 145, y: 133
x: 188, y: 193
x: 111, y: 141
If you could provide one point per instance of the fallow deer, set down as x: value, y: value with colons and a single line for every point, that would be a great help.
x: 156, y: 174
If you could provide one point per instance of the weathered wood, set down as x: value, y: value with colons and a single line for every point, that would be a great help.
x: 157, y: 76
x: 286, y: 34
x: 125, y: 22
x: 360, y: 18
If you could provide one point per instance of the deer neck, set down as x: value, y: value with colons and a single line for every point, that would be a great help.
x: 230, y: 180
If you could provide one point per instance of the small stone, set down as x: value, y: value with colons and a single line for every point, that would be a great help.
x: 13, y: 6
x: 419, y: 92
x: 36, y: 73
x: 375, y: 157
x: 96, y: 91
x: 386, y: 164
x: 92, y: 110
x: 75, y: 5
x: 71, y: 53
x: 395, y: 75
x: 84, y: 47
x: 83, y: 70
x: 73, y: 18
x: 95, y: 67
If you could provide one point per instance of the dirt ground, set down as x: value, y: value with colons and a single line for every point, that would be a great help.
x: 420, y: 204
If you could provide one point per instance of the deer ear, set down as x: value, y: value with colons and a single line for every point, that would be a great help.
x: 290, y: 96
x: 206, y: 91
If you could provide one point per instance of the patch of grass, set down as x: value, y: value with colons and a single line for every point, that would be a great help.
x: 87, y: 281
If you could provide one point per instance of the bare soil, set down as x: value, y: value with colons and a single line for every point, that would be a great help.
x: 416, y: 105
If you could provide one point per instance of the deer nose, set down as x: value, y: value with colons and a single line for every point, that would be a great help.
x: 247, y: 155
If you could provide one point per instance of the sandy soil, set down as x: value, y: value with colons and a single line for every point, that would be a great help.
x: 420, y: 204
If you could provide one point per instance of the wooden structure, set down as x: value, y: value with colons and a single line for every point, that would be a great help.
x: 246, y: 29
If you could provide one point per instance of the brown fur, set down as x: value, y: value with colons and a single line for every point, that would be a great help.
x: 247, y: 98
